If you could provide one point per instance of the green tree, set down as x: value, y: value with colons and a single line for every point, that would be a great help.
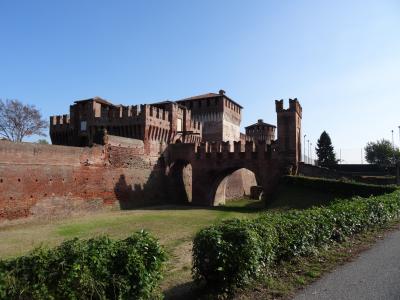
x: 325, y: 153
x: 381, y: 153
x: 42, y: 141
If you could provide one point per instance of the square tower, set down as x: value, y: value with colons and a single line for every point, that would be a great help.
x: 289, y: 130
x: 219, y: 114
x: 261, y: 131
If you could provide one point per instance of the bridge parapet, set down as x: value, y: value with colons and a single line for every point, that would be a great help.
x: 223, y: 150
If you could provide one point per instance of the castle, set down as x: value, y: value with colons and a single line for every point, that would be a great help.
x: 209, y: 117
x: 212, y: 117
x: 190, y: 150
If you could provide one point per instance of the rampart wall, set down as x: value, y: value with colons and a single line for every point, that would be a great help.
x: 362, y: 173
x: 44, y: 180
x: 49, y: 180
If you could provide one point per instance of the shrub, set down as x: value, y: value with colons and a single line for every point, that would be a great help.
x: 301, y: 232
x: 229, y: 255
x: 98, y: 268
x: 232, y: 253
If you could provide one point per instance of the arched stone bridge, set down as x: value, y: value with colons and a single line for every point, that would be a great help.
x: 212, y: 162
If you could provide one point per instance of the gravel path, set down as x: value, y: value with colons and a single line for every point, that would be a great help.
x: 374, y: 275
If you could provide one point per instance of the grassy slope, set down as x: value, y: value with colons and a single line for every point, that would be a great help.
x: 292, y: 197
x: 174, y: 226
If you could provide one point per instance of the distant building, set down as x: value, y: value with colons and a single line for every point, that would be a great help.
x: 261, y: 131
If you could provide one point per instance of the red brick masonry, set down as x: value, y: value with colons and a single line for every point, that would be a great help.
x: 46, y: 179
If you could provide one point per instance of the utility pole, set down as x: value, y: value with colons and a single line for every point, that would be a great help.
x: 304, y: 153
x: 392, y: 140
x: 398, y: 173
x: 394, y: 155
x: 308, y: 151
x: 311, y: 154
x: 340, y: 156
x: 398, y: 165
x: 399, y: 135
x: 362, y: 162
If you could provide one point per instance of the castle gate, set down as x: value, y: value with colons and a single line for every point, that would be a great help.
x: 212, y: 162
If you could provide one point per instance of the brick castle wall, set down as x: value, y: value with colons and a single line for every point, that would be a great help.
x: 38, y: 180
x: 47, y: 180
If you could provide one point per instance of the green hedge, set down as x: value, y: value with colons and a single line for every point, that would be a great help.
x: 216, y: 249
x: 233, y: 253
x: 98, y: 268
x: 340, y: 187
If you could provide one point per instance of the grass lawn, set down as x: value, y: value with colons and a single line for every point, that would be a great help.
x: 174, y: 226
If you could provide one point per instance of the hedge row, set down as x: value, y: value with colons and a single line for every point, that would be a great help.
x: 98, y: 268
x: 231, y: 254
x: 340, y: 187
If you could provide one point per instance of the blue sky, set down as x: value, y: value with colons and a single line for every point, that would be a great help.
x: 341, y: 59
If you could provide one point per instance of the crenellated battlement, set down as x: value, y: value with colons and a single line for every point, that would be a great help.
x: 60, y: 120
x: 294, y: 106
x: 279, y: 105
x: 159, y: 113
x: 121, y: 112
x: 131, y: 111
x: 126, y: 113
x: 249, y: 150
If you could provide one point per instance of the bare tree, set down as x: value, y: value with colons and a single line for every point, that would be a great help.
x: 18, y: 120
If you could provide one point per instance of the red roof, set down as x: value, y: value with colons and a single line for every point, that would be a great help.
x: 262, y: 124
x: 97, y: 99
x: 209, y: 95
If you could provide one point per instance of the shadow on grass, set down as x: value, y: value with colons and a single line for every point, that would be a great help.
x: 187, y: 290
x: 286, y: 197
x: 190, y: 290
x: 296, y: 197
x: 242, y: 205
x: 131, y: 198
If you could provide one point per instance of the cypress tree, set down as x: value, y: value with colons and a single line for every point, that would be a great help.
x: 325, y: 153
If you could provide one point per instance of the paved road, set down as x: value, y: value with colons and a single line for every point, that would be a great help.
x: 374, y: 275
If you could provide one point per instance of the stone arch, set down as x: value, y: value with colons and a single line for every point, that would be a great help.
x: 180, y: 182
x: 217, y: 190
